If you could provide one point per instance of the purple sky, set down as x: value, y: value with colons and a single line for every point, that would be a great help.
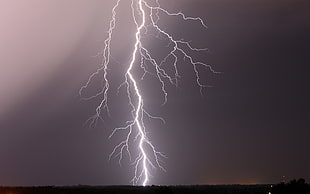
x: 250, y: 127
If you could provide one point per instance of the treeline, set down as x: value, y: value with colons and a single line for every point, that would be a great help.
x: 293, y: 187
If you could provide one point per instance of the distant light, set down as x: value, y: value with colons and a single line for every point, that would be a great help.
x: 269, y: 193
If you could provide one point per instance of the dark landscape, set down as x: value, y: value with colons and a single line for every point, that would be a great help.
x: 293, y: 187
x: 212, y: 189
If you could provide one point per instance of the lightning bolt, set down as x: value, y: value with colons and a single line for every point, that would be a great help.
x: 146, y: 17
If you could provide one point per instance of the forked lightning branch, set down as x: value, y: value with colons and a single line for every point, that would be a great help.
x: 146, y: 16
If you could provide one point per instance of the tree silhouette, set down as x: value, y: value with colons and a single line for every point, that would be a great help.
x: 293, y: 187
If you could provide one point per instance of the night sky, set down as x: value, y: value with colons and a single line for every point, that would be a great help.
x: 251, y: 126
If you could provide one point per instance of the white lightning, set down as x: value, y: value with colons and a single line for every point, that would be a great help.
x: 145, y: 17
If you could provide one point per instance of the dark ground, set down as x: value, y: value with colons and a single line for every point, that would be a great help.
x: 208, y: 189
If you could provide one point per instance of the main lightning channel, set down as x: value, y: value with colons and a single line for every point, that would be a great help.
x: 149, y: 15
x: 140, y: 102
